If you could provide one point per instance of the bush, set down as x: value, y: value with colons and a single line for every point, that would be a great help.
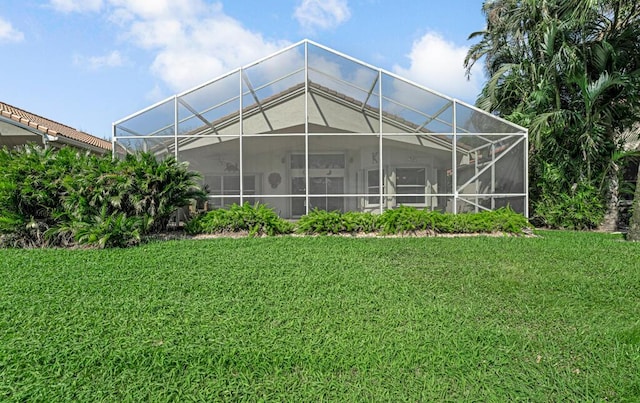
x: 15, y: 232
x: 32, y: 192
x: 469, y: 223
x: 158, y: 188
x: 406, y: 219
x: 55, y: 197
x: 257, y: 219
x: 506, y: 220
x: 334, y: 222
x: 501, y: 220
x: 401, y: 219
x: 581, y: 209
x: 410, y: 219
x: 194, y: 225
x: 112, y: 230
x: 321, y: 222
x: 360, y: 222
x: 61, y: 197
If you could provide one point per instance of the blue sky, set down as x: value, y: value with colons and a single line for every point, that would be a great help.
x: 88, y: 63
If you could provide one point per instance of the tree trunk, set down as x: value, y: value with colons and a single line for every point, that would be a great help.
x: 634, y: 223
x: 612, y: 215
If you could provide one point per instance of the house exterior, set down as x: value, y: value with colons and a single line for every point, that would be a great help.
x: 309, y: 127
x: 18, y: 127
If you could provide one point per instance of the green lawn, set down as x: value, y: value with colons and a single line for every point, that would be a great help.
x: 554, y: 318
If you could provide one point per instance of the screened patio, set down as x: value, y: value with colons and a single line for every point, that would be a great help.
x: 309, y: 127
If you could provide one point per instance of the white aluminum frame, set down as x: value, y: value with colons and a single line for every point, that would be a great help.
x: 455, y: 134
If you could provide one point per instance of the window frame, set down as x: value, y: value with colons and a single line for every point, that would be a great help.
x: 227, y: 197
x: 369, y: 195
x: 423, y: 195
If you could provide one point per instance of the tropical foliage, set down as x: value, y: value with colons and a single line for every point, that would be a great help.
x: 255, y: 219
x: 66, y: 197
x: 259, y: 220
x: 335, y: 222
x: 409, y: 219
x: 59, y: 197
x: 569, y: 70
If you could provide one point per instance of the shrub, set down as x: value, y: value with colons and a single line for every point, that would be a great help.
x: 581, y: 209
x: 53, y: 197
x: 334, y: 222
x: 410, y: 219
x: 468, y: 223
x: 401, y: 219
x: 32, y: 192
x: 406, y: 219
x: 506, y: 220
x: 15, y: 232
x: 321, y: 222
x: 257, y: 219
x: 158, y: 188
x: 112, y: 230
x: 360, y: 222
x: 439, y: 222
x: 194, y: 225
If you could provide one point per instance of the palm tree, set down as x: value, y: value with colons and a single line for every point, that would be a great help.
x: 573, y: 69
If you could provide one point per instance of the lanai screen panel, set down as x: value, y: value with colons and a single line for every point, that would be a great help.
x: 310, y: 128
x: 210, y: 110
x: 491, y: 162
x: 157, y: 121
x: 343, y: 94
x: 409, y: 108
x: 491, y: 171
x: 161, y: 147
x: 417, y: 146
x: 274, y: 165
x: 273, y: 94
x: 474, y: 121
x: 151, y: 131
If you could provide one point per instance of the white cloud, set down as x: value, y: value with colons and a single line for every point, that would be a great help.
x: 323, y: 14
x: 163, y: 9
x: 155, y: 94
x: 193, y: 41
x: 80, y: 6
x: 113, y: 59
x: 438, y: 64
x: 8, y: 33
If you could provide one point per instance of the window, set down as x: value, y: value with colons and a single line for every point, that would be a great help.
x: 297, y: 161
x: 410, y: 181
x: 373, y: 187
x: 229, y: 185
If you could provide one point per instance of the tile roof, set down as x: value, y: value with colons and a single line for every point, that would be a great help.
x: 50, y: 127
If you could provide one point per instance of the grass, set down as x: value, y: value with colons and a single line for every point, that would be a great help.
x: 553, y: 318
